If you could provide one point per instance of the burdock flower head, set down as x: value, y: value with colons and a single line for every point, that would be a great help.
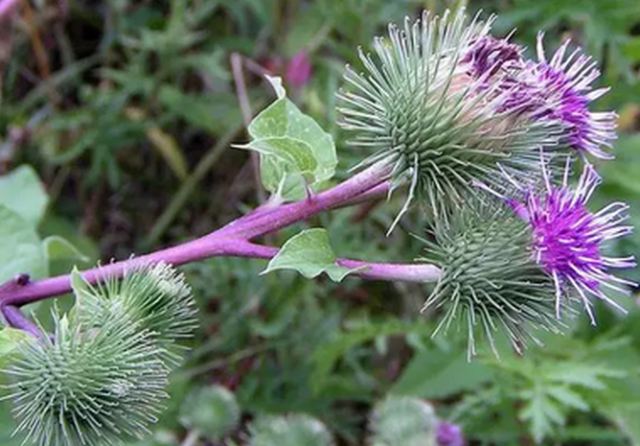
x: 436, y: 103
x: 568, y: 239
x: 560, y: 89
x: 490, y: 281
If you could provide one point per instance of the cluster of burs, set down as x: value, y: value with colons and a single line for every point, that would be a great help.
x: 486, y: 142
x: 396, y: 420
x: 481, y: 139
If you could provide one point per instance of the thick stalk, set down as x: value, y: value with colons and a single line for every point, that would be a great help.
x: 16, y: 319
x: 265, y: 221
x: 201, y: 249
x: 233, y: 240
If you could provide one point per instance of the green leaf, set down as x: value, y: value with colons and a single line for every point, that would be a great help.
x: 56, y: 248
x: 292, y: 152
x: 21, y: 247
x: 581, y: 374
x: 327, y: 354
x: 294, y: 145
x: 568, y: 397
x: 276, y: 83
x: 276, y: 177
x: 310, y: 254
x: 10, y: 339
x: 628, y: 420
x: 22, y: 192
x: 434, y: 373
x: 541, y: 412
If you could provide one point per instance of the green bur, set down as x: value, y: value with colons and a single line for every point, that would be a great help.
x: 212, y: 411
x: 88, y: 387
x: 154, y: 296
x: 490, y: 281
x: 403, y: 421
x: 416, y: 107
x: 292, y: 430
x: 101, y: 377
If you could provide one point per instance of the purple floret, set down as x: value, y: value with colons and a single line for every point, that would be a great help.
x: 487, y: 55
x: 561, y: 90
x: 449, y: 434
x: 568, y: 238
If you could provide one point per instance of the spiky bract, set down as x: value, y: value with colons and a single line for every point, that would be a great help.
x: 401, y: 420
x: 87, y: 387
x: 292, y: 430
x: 426, y: 108
x: 489, y: 277
x: 153, y: 295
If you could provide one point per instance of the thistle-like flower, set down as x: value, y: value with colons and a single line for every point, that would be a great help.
x: 489, y: 277
x: 87, y: 387
x: 568, y: 239
x: 560, y: 90
x: 434, y: 103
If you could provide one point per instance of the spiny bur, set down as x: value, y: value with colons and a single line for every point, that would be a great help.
x: 399, y: 420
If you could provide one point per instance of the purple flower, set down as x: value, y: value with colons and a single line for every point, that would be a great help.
x: 487, y: 55
x: 299, y: 70
x: 449, y: 434
x: 560, y: 90
x: 568, y: 238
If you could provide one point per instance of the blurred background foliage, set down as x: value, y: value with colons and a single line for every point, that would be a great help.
x: 126, y: 109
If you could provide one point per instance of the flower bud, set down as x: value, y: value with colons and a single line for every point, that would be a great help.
x: 399, y: 420
x: 449, y: 434
x: 88, y: 387
x: 155, y: 296
x: 299, y: 70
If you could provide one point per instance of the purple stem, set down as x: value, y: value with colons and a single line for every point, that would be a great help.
x: 233, y: 240
x: 16, y: 319
x: 372, y: 271
x: 265, y: 222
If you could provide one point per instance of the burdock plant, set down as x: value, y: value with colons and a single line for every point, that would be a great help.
x: 472, y: 133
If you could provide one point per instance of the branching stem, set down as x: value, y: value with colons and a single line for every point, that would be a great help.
x: 234, y: 240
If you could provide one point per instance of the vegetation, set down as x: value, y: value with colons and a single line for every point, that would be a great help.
x: 122, y: 131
